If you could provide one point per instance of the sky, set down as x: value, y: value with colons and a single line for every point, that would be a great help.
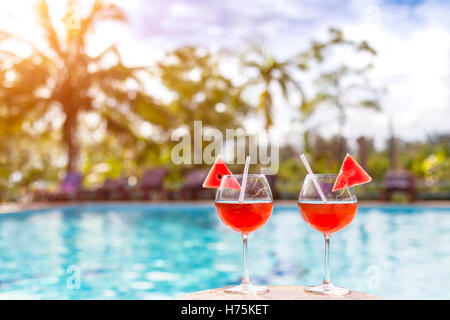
x: 412, y: 39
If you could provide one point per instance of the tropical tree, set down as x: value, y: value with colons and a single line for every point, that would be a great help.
x: 339, y: 84
x: 65, y: 79
x: 199, y: 89
x: 269, y: 74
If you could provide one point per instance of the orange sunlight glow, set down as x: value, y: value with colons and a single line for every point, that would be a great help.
x: 19, y: 18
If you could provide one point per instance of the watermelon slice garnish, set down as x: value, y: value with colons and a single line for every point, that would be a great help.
x: 351, y: 174
x: 215, y: 175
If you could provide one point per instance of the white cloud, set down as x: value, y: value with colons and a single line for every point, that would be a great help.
x: 413, y: 64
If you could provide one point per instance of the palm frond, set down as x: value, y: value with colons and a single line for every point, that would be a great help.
x: 112, y: 49
x: 50, y: 31
x: 149, y: 110
x: 364, y: 46
x: 101, y: 11
x: 117, y: 122
x: 9, y: 36
x: 309, y: 106
x: 118, y: 73
x: 370, y: 104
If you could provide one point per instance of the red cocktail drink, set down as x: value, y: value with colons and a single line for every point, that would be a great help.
x: 327, y: 213
x: 328, y: 203
x: 244, y: 203
x: 244, y: 217
x: 328, y: 217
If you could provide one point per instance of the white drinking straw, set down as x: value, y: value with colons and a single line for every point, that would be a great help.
x: 244, y: 179
x: 316, y: 183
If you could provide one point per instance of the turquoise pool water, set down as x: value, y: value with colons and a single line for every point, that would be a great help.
x: 163, y: 251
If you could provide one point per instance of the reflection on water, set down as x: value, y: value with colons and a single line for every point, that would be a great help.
x: 151, y: 252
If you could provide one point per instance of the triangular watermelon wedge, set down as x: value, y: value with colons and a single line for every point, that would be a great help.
x: 351, y: 174
x: 215, y: 175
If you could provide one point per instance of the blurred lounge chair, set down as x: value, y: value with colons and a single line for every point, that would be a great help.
x: 70, y: 186
x: 272, y: 179
x: 151, y: 182
x: 110, y: 189
x: 398, y: 181
x: 193, y: 186
x: 113, y: 189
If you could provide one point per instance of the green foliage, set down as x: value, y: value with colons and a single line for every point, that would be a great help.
x: 290, y: 175
x: 28, y: 163
x: 378, y: 164
x: 429, y: 159
x: 46, y: 97
x: 201, y: 91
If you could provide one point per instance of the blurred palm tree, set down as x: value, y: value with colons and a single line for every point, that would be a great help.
x: 269, y: 74
x: 64, y: 77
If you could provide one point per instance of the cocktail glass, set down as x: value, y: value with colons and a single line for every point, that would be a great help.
x: 244, y: 217
x: 326, y: 217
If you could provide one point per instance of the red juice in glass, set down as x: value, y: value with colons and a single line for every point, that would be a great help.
x: 244, y: 217
x: 328, y: 217
x: 328, y: 209
x: 244, y: 207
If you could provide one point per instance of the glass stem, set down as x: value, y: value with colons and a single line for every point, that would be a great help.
x: 326, y: 268
x: 245, y: 274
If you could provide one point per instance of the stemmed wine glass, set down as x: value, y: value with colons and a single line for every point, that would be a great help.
x: 326, y: 217
x: 244, y: 217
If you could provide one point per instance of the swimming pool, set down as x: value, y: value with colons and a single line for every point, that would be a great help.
x: 132, y: 251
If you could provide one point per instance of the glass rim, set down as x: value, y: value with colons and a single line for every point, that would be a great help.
x: 322, y: 175
x: 241, y: 175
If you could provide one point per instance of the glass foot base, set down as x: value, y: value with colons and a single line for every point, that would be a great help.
x: 246, y: 289
x: 327, y: 289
